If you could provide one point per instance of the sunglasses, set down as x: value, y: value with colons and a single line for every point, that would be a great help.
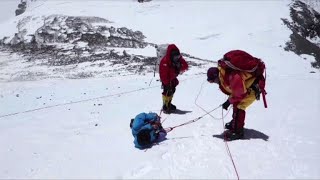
x: 176, y: 58
x: 213, y: 80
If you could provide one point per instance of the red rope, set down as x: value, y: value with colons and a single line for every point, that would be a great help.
x: 228, y: 149
x: 164, y: 120
x: 191, y: 121
x: 161, y: 117
x: 226, y: 143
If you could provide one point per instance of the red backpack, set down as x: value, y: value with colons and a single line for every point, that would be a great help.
x: 238, y: 60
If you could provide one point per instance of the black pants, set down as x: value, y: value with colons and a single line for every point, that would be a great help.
x: 168, y: 90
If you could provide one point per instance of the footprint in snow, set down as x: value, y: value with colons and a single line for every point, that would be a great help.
x: 141, y: 171
x: 165, y: 155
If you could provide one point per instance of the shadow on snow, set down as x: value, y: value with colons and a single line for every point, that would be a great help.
x: 248, y: 134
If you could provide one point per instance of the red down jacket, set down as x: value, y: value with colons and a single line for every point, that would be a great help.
x: 168, y: 72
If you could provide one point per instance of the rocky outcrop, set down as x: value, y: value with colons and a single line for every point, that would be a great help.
x: 63, y: 42
x: 21, y: 8
x: 305, y: 26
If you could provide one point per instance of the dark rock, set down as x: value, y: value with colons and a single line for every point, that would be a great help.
x: 305, y: 25
x: 70, y: 40
x: 22, y: 5
x: 19, y: 11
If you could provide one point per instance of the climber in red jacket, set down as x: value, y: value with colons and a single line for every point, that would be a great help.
x: 171, y: 65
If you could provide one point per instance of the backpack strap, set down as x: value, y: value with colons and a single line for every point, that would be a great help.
x: 229, y: 64
x: 263, y: 91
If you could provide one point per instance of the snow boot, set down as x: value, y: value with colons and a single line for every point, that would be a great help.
x: 231, y: 135
x: 237, y: 121
x: 172, y: 107
x: 168, y: 107
x: 235, y: 126
x: 166, y: 104
x: 165, y: 109
x: 228, y: 125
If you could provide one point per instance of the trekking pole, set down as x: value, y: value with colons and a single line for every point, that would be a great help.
x: 154, y: 72
x: 150, y: 82
x: 155, y: 67
x: 156, y: 61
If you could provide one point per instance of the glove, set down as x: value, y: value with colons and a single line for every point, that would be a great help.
x: 177, y: 67
x: 174, y: 82
x: 225, y: 105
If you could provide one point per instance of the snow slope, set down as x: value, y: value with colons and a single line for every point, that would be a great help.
x: 7, y: 9
x: 66, y: 128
